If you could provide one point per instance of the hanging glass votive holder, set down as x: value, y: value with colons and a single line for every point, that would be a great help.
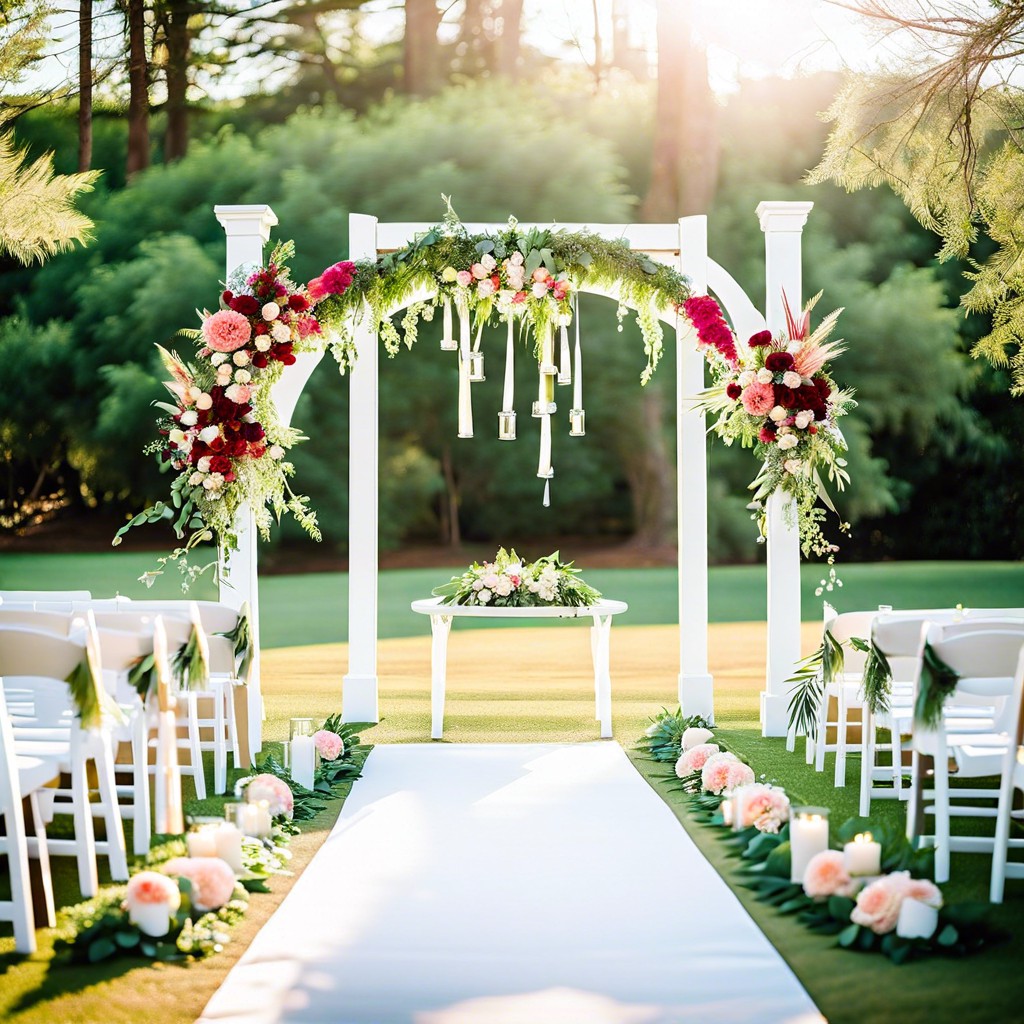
x: 543, y: 409
x: 565, y: 374
x: 549, y: 369
x: 449, y: 344
x: 476, y: 367
x: 506, y: 426
x: 577, y: 423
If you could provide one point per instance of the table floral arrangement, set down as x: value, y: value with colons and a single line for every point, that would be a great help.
x: 509, y: 582
x: 871, y: 894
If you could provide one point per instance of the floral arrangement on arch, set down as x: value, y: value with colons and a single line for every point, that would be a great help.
x: 509, y: 582
x: 222, y: 435
x: 774, y: 393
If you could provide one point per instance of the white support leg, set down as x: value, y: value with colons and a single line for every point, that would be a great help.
x: 601, y: 633
x: 247, y: 229
x: 359, y: 694
x: 782, y: 224
x: 440, y: 627
x: 696, y: 692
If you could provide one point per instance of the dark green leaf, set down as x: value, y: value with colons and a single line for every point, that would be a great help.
x: 127, y: 938
x: 100, y: 949
x: 848, y: 936
x: 948, y: 936
x: 840, y: 907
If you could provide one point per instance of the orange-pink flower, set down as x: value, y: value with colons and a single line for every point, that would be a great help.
x: 226, y: 331
x: 826, y: 875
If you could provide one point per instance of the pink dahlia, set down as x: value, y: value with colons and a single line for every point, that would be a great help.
x: 213, y: 882
x: 337, y: 278
x: 330, y: 744
x: 275, y: 791
x: 758, y: 399
x: 226, y: 330
x: 694, y: 759
x: 826, y: 875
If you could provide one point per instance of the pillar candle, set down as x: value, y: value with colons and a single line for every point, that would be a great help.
x: 808, y: 835
x: 264, y: 823
x: 726, y: 809
x: 564, y: 358
x: 577, y: 383
x: 917, y: 920
x: 547, y: 351
x: 303, y: 760
x: 201, y: 843
x: 544, y: 463
x: 447, y: 338
x: 465, y: 396
x: 151, y: 918
x: 228, y: 844
x: 863, y: 856
x: 510, y: 369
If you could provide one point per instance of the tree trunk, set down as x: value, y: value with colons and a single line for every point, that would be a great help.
x: 420, y: 63
x: 179, y: 46
x: 650, y: 475
x: 450, y: 506
x: 84, y: 85
x: 138, y: 82
x: 509, y: 42
x: 684, y: 168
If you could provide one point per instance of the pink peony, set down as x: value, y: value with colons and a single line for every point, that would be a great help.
x: 316, y: 290
x: 479, y: 271
x: 878, y: 904
x: 922, y: 890
x: 826, y: 875
x: 464, y: 278
x: 213, y: 882
x: 758, y: 399
x: 152, y: 887
x: 694, y: 736
x: 724, y: 771
x: 275, y: 791
x: 238, y: 393
x: 694, y: 759
x: 765, y: 807
x: 336, y: 279
x: 330, y: 744
x: 226, y: 330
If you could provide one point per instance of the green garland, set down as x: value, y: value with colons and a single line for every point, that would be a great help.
x: 936, y: 682
x: 664, y: 736
x: 877, y: 680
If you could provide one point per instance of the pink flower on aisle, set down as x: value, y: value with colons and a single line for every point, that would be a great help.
x: 213, y: 882
x: 878, y: 904
x: 758, y: 399
x: 479, y: 271
x: 226, y: 330
x: 766, y: 808
x: 274, y: 790
x: 826, y: 875
x: 316, y: 290
x: 329, y: 744
x: 151, y: 887
x: 694, y: 736
x: 694, y: 759
x: 923, y: 891
x: 724, y: 771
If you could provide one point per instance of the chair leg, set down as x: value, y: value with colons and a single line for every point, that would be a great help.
x: 941, y: 775
x: 117, y: 858
x: 229, y: 697
x: 16, y: 847
x: 42, y: 854
x: 840, y: 777
x: 867, y: 759
x: 809, y: 749
x: 914, y: 803
x: 220, y: 747
x: 195, y: 748
x: 821, y: 742
x: 85, y: 837
x: 999, y: 850
x: 140, y: 786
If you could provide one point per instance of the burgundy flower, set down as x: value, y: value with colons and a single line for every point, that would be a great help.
x: 298, y: 303
x: 245, y: 304
x: 733, y: 390
x: 822, y: 387
x: 252, y: 432
x: 226, y: 298
x: 760, y: 339
x: 786, y: 397
x: 767, y: 435
x: 220, y: 464
x: 260, y: 360
x: 261, y: 328
x: 779, y: 362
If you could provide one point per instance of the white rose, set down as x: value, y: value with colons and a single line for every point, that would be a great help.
x: 218, y: 357
x: 275, y: 451
x: 478, y: 584
x: 504, y: 586
x: 281, y: 332
x: 540, y: 289
x: 514, y: 569
x: 203, y: 465
x: 792, y: 465
x: 213, y: 482
x: 803, y: 419
x: 204, y: 401
x: 483, y: 596
x: 765, y: 376
x: 224, y: 371
x: 792, y: 379
x: 788, y: 441
x: 195, y: 479
x: 746, y: 378
x: 516, y: 258
x: 208, y: 434
x: 485, y: 288
x: 248, y: 418
x: 271, y: 311
x: 242, y: 376
x: 778, y: 414
x: 490, y: 580
x: 192, y: 393
x: 240, y: 358
x: 263, y: 343
x: 488, y: 261
x: 176, y: 436
x: 189, y: 419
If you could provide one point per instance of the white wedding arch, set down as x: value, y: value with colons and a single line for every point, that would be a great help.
x: 683, y: 245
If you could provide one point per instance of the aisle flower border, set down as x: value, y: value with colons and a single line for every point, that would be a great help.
x: 225, y: 440
x: 763, y: 851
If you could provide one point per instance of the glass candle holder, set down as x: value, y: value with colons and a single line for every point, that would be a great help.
x: 549, y: 369
x: 449, y: 344
x: 302, y: 752
x: 476, y: 367
x: 506, y: 426
x: 808, y: 836
x: 565, y: 375
x: 577, y: 423
x: 543, y: 409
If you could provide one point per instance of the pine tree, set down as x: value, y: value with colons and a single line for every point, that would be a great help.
x: 37, y: 213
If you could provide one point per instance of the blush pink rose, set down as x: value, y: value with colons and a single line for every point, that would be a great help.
x: 329, y: 744
x: 694, y: 759
x: 766, y: 808
x: 878, y: 904
x: 275, y: 791
x: 717, y: 771
x: 738, y: 774
x: 152, y: 887
x: 758, y: 399
x: 923, y: 891
x: 464, y: 278
x: 226, y: 331
x: 826, y: 875
x: 213, y: 882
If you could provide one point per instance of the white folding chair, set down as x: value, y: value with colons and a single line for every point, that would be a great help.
x: 21, y: 776
x: 1011, y: 780
x: 46, y: 596
x: 986, y: 661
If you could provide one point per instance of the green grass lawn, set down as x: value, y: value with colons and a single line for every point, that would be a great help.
x: 312, y: 608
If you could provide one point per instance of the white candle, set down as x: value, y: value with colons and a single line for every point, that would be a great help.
x: 151, y: 918
x: 727, y: 811
x: 577, y: 382
x: 808, y: 835
x: 547, y: 351
x: 201, y: 843
x: 544, y: 463
x: 228, y: 843
x: 564, y: 358
x: 465, y: 397
x: 917, y: 920
x: 303, y: 760
x: 863, y: 856
x: 264, y: 823
x: 447, y: 341
x: 510, y: 369
x: 737, y: 800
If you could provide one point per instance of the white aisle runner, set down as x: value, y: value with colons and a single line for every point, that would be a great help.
x: 509, y: 884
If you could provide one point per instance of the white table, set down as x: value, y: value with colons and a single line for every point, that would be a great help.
x: 441, y: 616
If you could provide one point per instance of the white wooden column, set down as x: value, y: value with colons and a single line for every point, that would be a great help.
x: 782, y: 224
x: 247, y: 229
x: 359, y: 691
x: 696, y: 691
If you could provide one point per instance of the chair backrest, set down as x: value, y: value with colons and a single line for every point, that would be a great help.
x: 58, y: 623
x: 178, y: 629
x: 215, y: 617
x: 41, y: 662
x: 845, y: 625
x: 31, y: 596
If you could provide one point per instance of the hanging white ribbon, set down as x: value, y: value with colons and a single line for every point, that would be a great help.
x: 510, y: 369
x: 446, y: 332
x: 465, y: 391
x: 544, y: 463
x: 577, y: 388
x: 564, y: 364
